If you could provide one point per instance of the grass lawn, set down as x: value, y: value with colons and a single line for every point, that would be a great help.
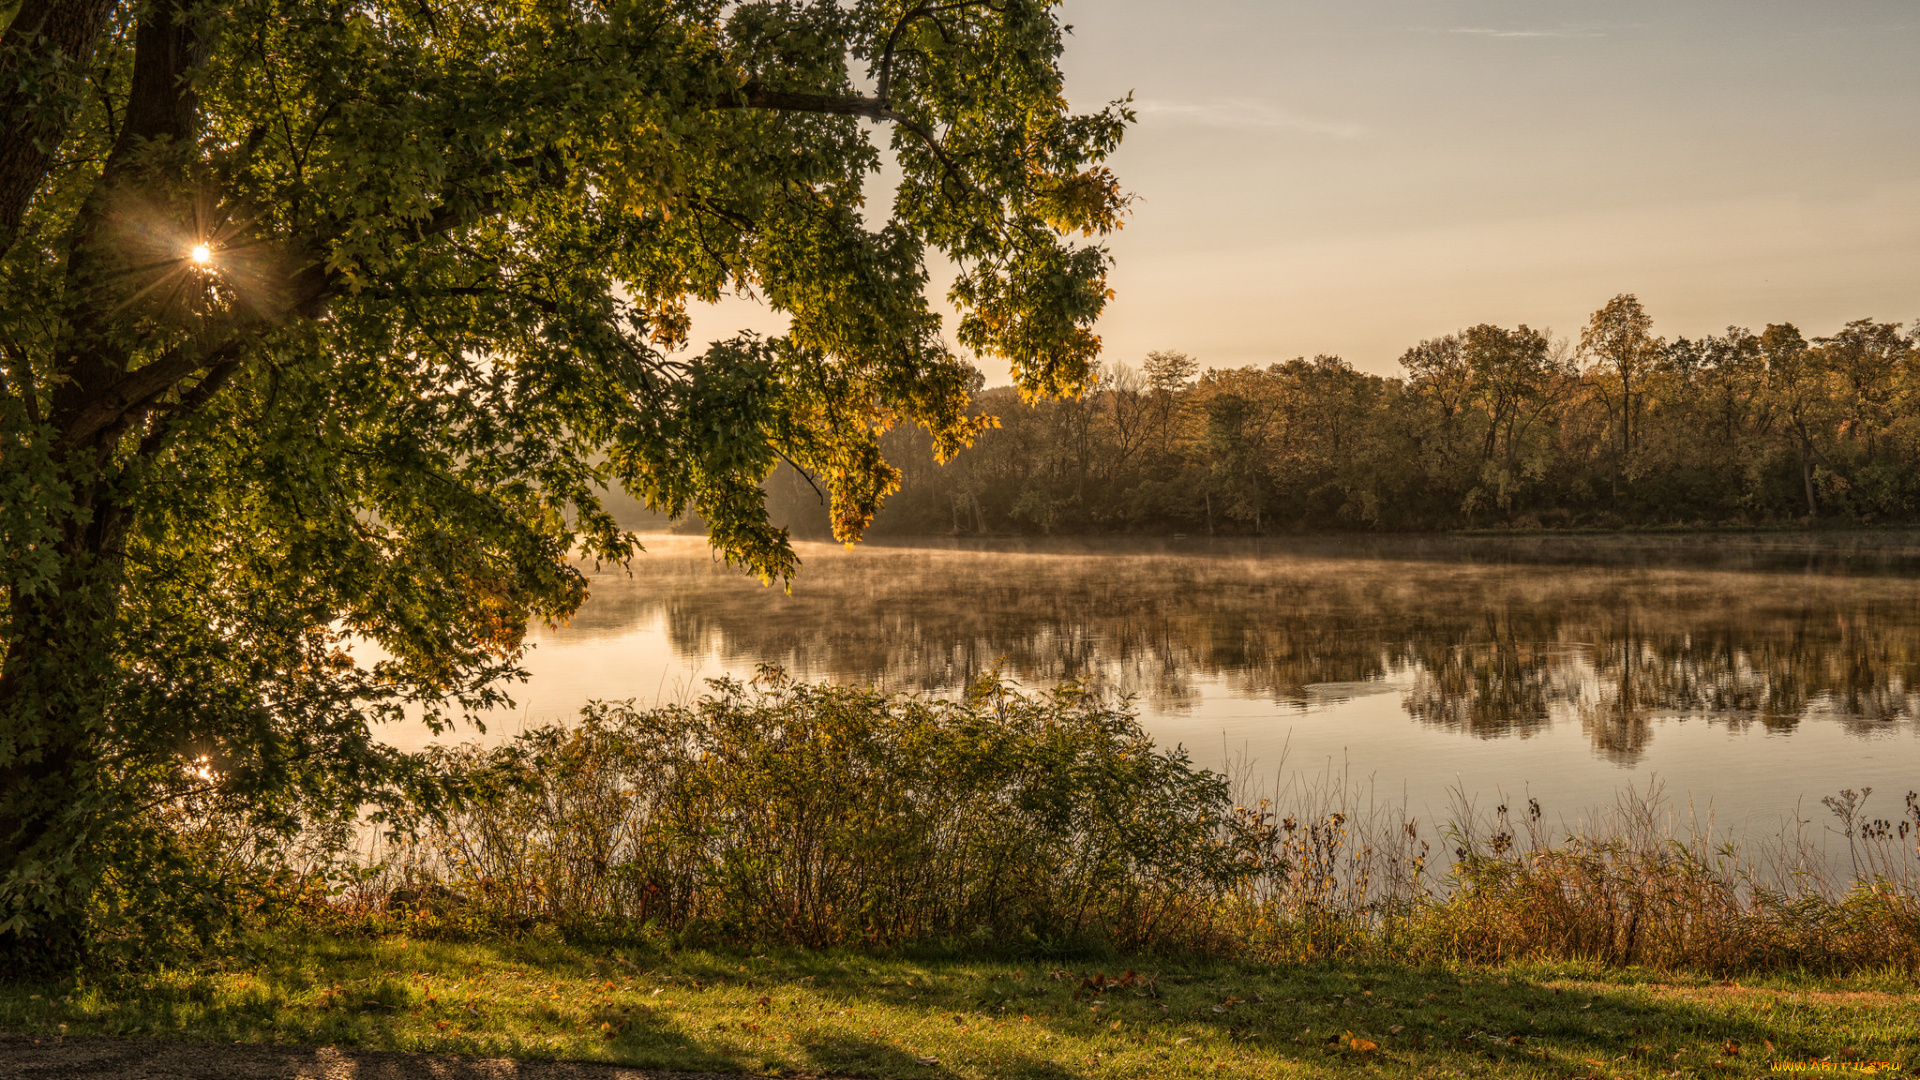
x: 798, y: 1014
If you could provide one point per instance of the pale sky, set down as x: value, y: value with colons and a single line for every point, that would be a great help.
x: 1350, y: 177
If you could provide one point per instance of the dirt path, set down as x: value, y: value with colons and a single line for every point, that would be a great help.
x: 97, y: 1058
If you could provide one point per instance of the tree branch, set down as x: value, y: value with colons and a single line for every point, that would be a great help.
x: 161, y: 102
x: 191, y: 402
x: 21, y: 362
x: 134, y: 394
x: 755, y: 96
x: 883, y: 89
x: 450, y: 217
x: 803, y: 475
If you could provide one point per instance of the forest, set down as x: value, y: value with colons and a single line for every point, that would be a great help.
x: 1489, y: 427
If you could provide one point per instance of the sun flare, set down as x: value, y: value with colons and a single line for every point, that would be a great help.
x: 201, y: 254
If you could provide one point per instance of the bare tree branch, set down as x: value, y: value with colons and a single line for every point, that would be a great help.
x: 803, y: 475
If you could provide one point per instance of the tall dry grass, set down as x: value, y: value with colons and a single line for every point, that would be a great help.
x: 1643, y: 882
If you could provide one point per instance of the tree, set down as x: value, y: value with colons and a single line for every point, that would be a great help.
x: 1236, y: 454
x: 1714, y: 421
x: 1440, y: 382
x: 1479, y: 394
x: 1124, y: 426
x: 1513, y: 371
x: 1168, y: 375
x: 1619, y: 339
x: 326, y: 323
x: 1866, y: 356
x: 1799, y: 387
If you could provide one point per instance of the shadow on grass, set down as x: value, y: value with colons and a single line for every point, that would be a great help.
x: 1419, y: 1016
x: 95, y: 1058
x: 856, y: 1056
x: 807, y: 1013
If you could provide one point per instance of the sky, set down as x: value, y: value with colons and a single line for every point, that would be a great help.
x: 1352, y: 177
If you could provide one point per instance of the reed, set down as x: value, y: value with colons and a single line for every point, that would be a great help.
x: 1641, y: 883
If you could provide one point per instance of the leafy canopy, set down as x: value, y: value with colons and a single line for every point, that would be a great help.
x: 327, y: 320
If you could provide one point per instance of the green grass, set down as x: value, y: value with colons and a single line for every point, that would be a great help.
x: 797, y: 1013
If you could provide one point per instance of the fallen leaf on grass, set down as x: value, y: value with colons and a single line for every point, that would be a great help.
x: 1359, y: 1045
x: 928, y: 1060
x: 1396, y: 1029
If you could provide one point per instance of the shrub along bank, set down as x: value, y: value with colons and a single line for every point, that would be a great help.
x: 824, y: 816
x: 1012, y: 824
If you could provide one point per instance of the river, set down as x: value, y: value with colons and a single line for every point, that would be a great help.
x: 1747, y: 675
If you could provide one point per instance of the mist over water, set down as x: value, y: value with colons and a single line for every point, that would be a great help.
x: 1749, y: 675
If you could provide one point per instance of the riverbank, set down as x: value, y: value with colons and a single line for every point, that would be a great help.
x: 1017, y: 885
x: 823, y: 1013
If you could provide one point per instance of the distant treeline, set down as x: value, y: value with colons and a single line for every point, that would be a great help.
x: 1488, y: 427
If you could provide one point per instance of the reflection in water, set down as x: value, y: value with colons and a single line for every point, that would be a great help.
x: 1486, y: 639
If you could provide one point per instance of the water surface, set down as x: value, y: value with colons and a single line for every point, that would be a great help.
x: 1749, y: 675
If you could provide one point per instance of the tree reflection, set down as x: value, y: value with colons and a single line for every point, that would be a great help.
x: 1485, y: 648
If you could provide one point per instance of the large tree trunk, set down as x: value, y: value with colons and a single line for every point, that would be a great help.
x: 44, y: 56
x: 54, y: 695
x: 57, y: 685
x: 57, y: 806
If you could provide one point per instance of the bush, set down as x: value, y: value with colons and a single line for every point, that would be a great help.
x: 826, y: 815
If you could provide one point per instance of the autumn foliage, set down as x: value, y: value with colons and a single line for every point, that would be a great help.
x: 1490, y: 427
